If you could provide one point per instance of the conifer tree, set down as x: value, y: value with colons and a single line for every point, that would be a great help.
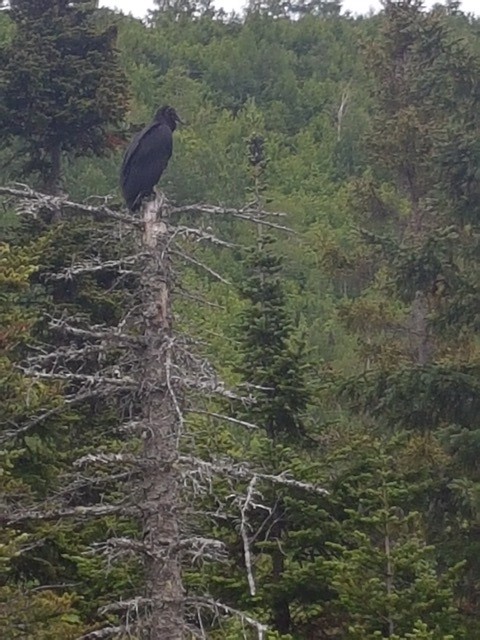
x: 61, y: 85
x: 387, y: 578
x: 273, y: 362
x: 26, y: 461
x: 272, y: 356
x: 418, y: 226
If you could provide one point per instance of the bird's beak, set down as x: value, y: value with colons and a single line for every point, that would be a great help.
x: 179, y: 120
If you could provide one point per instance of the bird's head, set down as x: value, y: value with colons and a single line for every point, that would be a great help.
x: 169, y: 116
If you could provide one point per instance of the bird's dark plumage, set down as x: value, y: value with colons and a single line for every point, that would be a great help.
x: 147, y: 157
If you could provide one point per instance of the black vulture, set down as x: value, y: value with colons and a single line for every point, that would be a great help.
x: 147, y: 157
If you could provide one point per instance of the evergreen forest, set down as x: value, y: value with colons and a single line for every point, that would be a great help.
x: 320, y: 358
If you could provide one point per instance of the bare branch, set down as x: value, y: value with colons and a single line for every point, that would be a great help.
x: 51, y: 587
x: 63, y: 354
x: 90, y: 380
x: 195, y: 546
x: 96, y: 511
x: 242, y: 472
x: 127, y: 630
x: 116, y: 548
x: 105, y: 459
x: 80, y: 483
x: 244, y: 534
x: 342, y: 109
x: 54, y: 203
x: 204, y: 548
x: 122, y: 605
x: 211, y: 209
x: 216, y: 606
x: 168, y: 370
x: 213, y: 387
x: 265, y: 223
x: 94, y: 267
x: 199, y: 264
x: 132, y: 426
x: 248, y: 213
x: 96, y: 332
x: 201, y: 235
x: 220, y: 416
x: 179, y: 290
x: 106, y: 632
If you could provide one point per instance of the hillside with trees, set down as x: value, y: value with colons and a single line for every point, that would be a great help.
x: 255, y: 414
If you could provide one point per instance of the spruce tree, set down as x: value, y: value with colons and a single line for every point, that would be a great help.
x: 61, y: 85
x: 272, y: 361
x: 272, y: 355
x: 387, y: 579
x: 417, y: 318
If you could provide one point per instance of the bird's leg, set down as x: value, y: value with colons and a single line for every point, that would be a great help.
x: 137, y: 203
x: 151, y: 196
x: 143, y: 196
x: 160, y: 197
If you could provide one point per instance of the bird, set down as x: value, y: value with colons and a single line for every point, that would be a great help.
x: 147, y: 156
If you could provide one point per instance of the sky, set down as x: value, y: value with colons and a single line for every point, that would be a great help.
x: 139, y: 8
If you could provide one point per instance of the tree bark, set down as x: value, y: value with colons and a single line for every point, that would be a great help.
x: 280, y: 604
x: 52, y: 181
x: 161, y: 482
x: 418, y: 329
x: 389, y: 570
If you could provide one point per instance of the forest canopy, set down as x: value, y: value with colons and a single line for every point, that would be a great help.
x: 344, y: 326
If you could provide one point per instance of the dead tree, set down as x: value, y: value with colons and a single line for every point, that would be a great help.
x: 161, y: 416
x: 154, y: 368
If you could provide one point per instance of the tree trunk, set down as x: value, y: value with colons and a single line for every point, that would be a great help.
x: 161, y: 482
x: 389, y: 569
x: 52, y: 181
x: 280, y: 605
x: 418, y: 330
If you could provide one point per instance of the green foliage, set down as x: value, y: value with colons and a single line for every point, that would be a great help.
x: 368, y: 131
x: 384, y: 573
x: 272, y: 355
x: 61, y: 86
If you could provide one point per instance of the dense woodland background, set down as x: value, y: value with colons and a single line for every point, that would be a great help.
x: 359, y: 327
